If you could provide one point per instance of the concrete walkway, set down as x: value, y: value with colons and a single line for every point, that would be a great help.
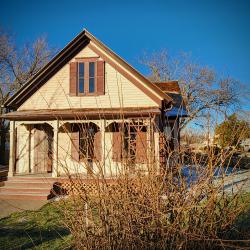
x: 238, y: 182
x: 8, y: 207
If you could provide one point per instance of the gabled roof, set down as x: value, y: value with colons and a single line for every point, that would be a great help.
x: 66, y: 54
x: 172, y: 89
x: 169, y: 87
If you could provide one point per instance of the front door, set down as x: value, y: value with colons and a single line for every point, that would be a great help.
x: 43, y: 137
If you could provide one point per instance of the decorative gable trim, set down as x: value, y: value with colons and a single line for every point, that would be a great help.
x: 50, y: 69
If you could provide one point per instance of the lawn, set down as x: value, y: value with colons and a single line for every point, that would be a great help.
x: 40, y: 229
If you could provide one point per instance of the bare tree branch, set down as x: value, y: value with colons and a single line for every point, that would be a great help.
x: 201, y: 87
x: 17, y: 66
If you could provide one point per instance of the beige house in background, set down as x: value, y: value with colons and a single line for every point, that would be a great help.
x: 88, y: 111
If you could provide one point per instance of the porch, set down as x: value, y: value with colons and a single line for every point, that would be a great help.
x: 104, y: 147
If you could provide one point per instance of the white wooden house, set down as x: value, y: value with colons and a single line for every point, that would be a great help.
x: 88, y: 111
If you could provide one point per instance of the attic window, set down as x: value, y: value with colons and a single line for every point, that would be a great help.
x: 81, y: 77
x: 91, y: 77
x: 87, y: 77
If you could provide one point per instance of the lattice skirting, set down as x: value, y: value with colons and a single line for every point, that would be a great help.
x: 90, y: 186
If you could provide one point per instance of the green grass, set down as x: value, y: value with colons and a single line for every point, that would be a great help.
x: 240, y: 232
x: 242, y: 224
x: 40, y: 229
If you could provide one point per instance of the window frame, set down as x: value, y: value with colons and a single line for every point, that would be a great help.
x: 86, y: 144
x: 92, y: 77
x: 86, y: 62
x: 80, y: 78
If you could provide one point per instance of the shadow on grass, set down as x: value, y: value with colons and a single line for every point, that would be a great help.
x: 41, y: 229
x: 16, y: 238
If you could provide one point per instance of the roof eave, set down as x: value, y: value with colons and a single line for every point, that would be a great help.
x: 142, y: 77
x: 12, y: 101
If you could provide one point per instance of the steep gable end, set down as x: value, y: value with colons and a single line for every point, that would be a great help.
x: 83, y: 43
x: 119, y: 90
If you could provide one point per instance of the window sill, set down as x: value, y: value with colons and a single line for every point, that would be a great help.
x: 89, y: 94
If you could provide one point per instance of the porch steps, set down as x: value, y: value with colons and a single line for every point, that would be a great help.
x: 3, y: 174
x: 27, y: 188
x: 7, y: 189
x: 26, y: 196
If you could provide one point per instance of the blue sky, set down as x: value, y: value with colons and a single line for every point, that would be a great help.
x: 216, y: 32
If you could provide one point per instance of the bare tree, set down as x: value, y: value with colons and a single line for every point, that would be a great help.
x: 190, y: 136
x: 201, y: 87
x: 17, y: 65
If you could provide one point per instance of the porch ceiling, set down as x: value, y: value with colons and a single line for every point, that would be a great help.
x: 52, y: 114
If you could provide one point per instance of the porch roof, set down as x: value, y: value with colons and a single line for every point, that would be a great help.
x: 52, y: 114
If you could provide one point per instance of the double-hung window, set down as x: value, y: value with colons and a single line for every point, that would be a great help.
x: 92, y: 77
x: 81, y: 87
x: 87, y: 77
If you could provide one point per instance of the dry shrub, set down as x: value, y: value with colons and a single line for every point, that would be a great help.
x: 156, y: 210
x: 151, y: 212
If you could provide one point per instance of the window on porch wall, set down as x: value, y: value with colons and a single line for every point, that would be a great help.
x: 86, y: 143
x: 129, y: 144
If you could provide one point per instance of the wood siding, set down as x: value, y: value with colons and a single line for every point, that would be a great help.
x: 119, y: 91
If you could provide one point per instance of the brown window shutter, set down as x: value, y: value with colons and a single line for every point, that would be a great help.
x: 141, y: 147
x: 98, y: 146
x: 100, y: 78
x: 75, y: 145
x: 117, y: 146
x: 73, y: 84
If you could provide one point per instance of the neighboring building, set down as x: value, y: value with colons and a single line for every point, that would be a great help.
x: 88, y: 111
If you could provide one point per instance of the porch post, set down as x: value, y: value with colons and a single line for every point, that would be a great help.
x: 157, y: 151
x: 55, y: 149
x: 102, y: 128
x: 150, y: 143
x: 12, y: 156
